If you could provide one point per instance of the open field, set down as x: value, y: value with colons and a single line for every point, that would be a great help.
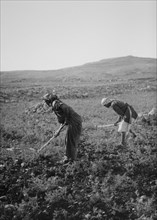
x: 105, y: 182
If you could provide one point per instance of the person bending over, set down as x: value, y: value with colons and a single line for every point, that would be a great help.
x: 66, y: 117
x: 126, y: 113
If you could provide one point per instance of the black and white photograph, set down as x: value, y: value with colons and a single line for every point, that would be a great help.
x: 78, y: 109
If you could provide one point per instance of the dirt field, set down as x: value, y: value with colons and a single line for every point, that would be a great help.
x: 106, y: 182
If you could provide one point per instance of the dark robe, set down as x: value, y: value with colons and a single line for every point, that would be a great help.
x: 65, y: 114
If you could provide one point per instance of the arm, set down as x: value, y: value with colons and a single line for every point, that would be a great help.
x: 59, y: 129
x: 118, y: 120
x: 117, y: 109
x: 54, y: 136
x: 64, y: 116
x: 66, y: 113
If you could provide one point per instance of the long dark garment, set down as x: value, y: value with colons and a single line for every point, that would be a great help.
x: 66, y: 114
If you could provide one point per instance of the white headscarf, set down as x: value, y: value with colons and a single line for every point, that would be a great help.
x: 105, y: 101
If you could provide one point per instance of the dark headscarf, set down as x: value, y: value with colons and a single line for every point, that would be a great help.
x: 49, y: 98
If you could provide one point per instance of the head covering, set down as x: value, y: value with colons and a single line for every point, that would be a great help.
x: 105, y: 101
x: 49, y: 97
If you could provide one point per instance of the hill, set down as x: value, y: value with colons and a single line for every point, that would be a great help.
x: 129, y: 67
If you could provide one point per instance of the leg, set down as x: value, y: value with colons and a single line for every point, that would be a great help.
x: 123, y: 134
x: 123, y: 128
x: 71, y: 145
x: 72, y: 149
x: 72, y: 140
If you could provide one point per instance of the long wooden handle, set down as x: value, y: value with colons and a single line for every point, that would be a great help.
x: 50, y: 139
x: 104, y: 126
x: 46, y: 143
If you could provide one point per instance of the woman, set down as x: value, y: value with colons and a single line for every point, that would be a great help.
x: 126, y: 112
x: 66, y: 117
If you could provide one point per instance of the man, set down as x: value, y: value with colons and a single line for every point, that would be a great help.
x: 126, y: 112
x: 66, y: 117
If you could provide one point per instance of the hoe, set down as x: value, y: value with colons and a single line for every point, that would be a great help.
x: 53, y: 137
x: 36, y: 152
x: 104, y: 126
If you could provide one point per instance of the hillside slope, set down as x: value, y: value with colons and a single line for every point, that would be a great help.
x: 129, y: 66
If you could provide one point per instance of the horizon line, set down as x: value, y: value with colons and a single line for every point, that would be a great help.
x: 21, y: 70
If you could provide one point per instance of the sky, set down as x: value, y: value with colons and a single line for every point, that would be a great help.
x: 48, y: 35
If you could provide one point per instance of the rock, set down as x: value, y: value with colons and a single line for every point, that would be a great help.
x: 153, y: 112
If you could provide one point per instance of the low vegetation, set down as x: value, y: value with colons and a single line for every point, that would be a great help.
x: 107, y: 182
